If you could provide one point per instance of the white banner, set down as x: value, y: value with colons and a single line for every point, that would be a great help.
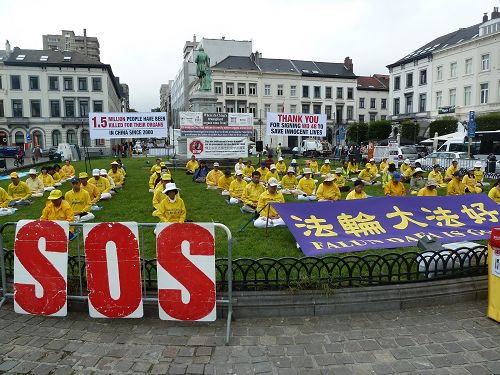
x: 127, y: 125
x: 296, y: 124
x: 219, y: 124
x: 217, y: 147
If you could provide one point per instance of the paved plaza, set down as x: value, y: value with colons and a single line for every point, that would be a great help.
x: 456, y: 339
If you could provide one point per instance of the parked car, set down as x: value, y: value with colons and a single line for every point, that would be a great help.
x: 444, y: 159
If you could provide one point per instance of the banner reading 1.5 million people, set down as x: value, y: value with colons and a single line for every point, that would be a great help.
x: 296, y: 124
x: 127, y: 125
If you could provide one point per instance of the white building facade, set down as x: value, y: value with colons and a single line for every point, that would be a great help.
x: 45, y: 98
x: 450, y: 76
x: 373, y: 98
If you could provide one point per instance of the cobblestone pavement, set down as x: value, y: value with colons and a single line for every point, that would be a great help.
x: 456, y: 339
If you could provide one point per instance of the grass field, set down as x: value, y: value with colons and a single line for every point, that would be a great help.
x: 133, y: 203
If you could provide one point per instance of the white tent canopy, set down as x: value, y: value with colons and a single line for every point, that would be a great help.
x: 446, y: 137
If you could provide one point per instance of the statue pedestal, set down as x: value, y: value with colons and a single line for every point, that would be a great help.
x: 203, y: 101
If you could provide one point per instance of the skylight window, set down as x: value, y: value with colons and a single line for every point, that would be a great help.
x: 305, y: 71
x: 460, y: 41
x: 20, y: 57
x: 44, y: 58
x: 315, y: 72
x: 475, y: 36
x: 67, y: 58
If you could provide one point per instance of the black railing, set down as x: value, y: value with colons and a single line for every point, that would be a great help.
x: 311, y: 273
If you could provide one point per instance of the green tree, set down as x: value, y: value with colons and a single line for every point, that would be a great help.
x: 442, y: 126
x: 378, y: 130
x: 409, y: 130
x: 488, y: 122
x: 357, y: 133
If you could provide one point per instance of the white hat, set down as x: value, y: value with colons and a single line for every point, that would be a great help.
x: 417, y: 170
x: 477, y: 164
x: 271, y: 167
x: 372, y: 159
x: 103, y: 172
x: 170, y: 186
x: 338, y: 170
x: 327, y: 161
x: 239, y: 172
x: 115, y: 163
x: 454, y: 161
x: 32, y: 171
x: 407, y: 161
x: 96, y: 172
x: 216, y: 164
x: 290, y: 170
x: 328, y: 177
x: 280, y: 159
x: 307, y: 171
x: 273, y: 182
x: 294, y: 161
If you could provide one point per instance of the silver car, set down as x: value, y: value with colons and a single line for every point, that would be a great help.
x: 445, y: 158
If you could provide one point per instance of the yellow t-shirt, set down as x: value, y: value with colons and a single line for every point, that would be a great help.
x: 4, y: 198
x: 263, y: 172
x: 450, y: 171
x: 456, y: 187
x: 247, y: 171
x: 47, y: 180
x: 373, y: 169
x: 172, y: 212
x: 404, y: 167
x: 21, y: 191
x: 478, y: 175
x: 314, y: 166
x: 339, y: 180
x: 353, y: 167
x: 307, y: 185
x: 224, y: 182
x: 353, y: 195
x: 79, y: 202
x: 68, y: 170
x: 266, y: 198
x: 331, y: 192
x: 397, y: 190
x: 102, y: 184
x: 281, y: 167
x: 192, y: 165
x: 470, y: 183
x: 325, y: 168
x: 495, y: 194
x: 117, y: 177
x: 365, y: 175
x: 252, y: 193
x: 63, y: 212
x: 289, y: 182
x: 383, y: 166
x: 436, y: 175
x: 213, y: 177
x: 424, y: 192
x: 237, y: 188
x: 271, y: 175
x: 93, y: 191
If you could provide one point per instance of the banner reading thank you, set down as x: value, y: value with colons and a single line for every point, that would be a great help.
x: 387, y: 222
x: 296, y: 124
x: 127, y: 125
x: 217, y: 147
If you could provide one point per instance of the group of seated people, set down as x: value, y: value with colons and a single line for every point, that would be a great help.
x: 255, y: 188
x: 76, y: 204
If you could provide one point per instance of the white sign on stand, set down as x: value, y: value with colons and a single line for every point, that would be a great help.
x: 114, y: 125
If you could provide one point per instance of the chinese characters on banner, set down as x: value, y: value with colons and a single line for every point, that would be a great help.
x: 387, y: 222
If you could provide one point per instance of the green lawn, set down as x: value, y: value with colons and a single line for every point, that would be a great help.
x: 133, y: 203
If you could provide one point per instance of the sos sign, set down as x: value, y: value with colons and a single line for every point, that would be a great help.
x: 185, y: 270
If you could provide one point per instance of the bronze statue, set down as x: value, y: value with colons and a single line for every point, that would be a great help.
x: 203, y: 70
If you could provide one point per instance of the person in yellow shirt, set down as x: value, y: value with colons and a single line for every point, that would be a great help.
x: 55, y: 176
x: 272, y: 173
x: 281, y: 167
x: 224, y: 183
x: 325, y: 168
x: 339, y: 180
x: 192, y: 165
x: 263, y: 170
x: 237, y: 188
x: 314, y: 166
x: 451, y: 171
x: 388, y: 173
x: 306, y: 189
x: 251, y: 194
x: 328, y: 191
x: 471, y: 185
x: 289, y: 182
x: 4, y: 198
x: 367, y: 176
x: 456, y: 186
x: 430, y: 189
x: 357, y: 192
x: 403, y: 167
x: 57, y: 208
x: 406, y: 177
x: 58, y: 175
x: 35, y: 184
x: 479, y: 174
x: 47, y: 180
x: 154, y: 178
x: 213, y: 176
x: 417, y: 181
x: 248, y: 169
x: 159, y: 195
x: 495, y: 192
x: 395, y: 187
x: 172, y: 208
x: 436, y: 175
x: 79, y: 200
x: 383, y: 165
x: 268, y: 215
x: 68, y: 169
x: 115, y: 175
x: 353, y: 166
x: 156, y: 164
x: 373, y: 168
x: 93, y: 191
x: 101, y: 183
x: 104, y: 174
x: 18, y: 191
x: 121, y: 169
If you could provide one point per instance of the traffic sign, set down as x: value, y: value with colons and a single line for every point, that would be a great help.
x: 342, y: 133
x: 471, y: 126
x: 28, y: 138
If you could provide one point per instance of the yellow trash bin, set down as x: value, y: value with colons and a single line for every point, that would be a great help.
x: 494, y: 275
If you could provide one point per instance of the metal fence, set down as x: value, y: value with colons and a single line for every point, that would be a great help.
x: 77, y: 282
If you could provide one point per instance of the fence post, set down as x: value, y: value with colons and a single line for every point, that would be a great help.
x: 2, y: 270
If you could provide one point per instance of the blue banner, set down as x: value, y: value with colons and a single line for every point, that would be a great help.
x: 387, y: 222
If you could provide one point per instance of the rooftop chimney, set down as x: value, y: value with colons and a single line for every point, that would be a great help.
x: 223, y: 38
x: 485, y: 17
x: 348, y: 63
x: 7, y: 48
x: 495, y: 14
x: 85, y: 42
x: 194, y: 38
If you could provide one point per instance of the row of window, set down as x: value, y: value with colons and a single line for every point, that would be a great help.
x: 373, y: 103
x: 372, y: 117
x: 68, y: 83
x: 54, y: 107
x: 453, y: 72
x: 280, y: 90
x: 56, y: 137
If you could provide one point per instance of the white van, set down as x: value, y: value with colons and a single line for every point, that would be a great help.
x: 458, y: 145
x: 67, y: 151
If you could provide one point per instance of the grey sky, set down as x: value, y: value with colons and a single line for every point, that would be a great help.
x: 143, y: 40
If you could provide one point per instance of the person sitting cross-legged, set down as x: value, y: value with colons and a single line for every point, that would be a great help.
x: 47, y: 180
x: 268, y: 215
x: 224, y: 183
x: 306, y: 189
x: 18, y: 191
x: 79, y: 200
x: 172, y: 208
x: 35, y: 184
x: 339, y: 180
x: 213, y: 177
x: 93, y: 191
x: 417, y: 181
x: 395, y: 187
x: 328, y: 191
x: 289, y: 182
x: 366, y: 175
x: 101, y: 183
x: 116, y: 175
x: 325, y: 168
x: 158, y: 194
x: 456, y: 186
x: 357, y: 192
x: 200, y: 174
x: 57, y: 208
x: 192, y: 165
x: 237, y: 188
x: 430, y: 189
x: 494, y: 193
x: 252, y: 192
